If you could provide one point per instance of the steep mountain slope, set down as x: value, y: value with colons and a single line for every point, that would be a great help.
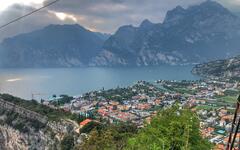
x: 229, y: 68
x: 199, y: 33
x: 53, y: 46
x: 22, y: 126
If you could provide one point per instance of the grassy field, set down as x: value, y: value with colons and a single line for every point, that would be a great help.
x: 227, y: 99
x: 185, y: 91
x: 206, y: 107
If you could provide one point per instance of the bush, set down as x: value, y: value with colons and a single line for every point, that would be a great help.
x: 67, y: 143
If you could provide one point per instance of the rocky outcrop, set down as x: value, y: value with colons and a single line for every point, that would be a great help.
x: 22, y: 111
x: 12, y: 139
x: 47, y: 138
x: 22, y: 129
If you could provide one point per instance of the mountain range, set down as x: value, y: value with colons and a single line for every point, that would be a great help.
x: 52, y: 46
x: 197, y: 34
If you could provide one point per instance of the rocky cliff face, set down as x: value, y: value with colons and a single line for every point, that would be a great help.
x: 47, y: 138
x: 22, y: 129
x: 20, y: 134
x: 12, y: 139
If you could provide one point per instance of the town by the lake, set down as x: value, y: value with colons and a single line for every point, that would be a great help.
x: 214, y: 102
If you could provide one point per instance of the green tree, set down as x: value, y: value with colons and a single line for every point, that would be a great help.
x: 67, y: 143
x: 110, y: 137
x: 171, y: 129
x: 99, y: 141
x: 88, y: 127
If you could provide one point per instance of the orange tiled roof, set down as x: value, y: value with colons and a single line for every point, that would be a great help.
x: 228, y: 117
x: 219, y: 147
x: 226, y: 139
x: 86, y: 121
x: 210, y: 129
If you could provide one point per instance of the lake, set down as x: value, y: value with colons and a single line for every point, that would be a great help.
x: 74, y: 81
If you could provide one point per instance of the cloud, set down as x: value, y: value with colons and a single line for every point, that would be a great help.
x: 69, y: 18
x: 96, y: 15
x: 7, y: 3
x: 231, y: 4
x: 113, y: 13
x: 36, y: 21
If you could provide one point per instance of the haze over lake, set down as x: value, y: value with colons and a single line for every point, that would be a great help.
x: 75, y: 81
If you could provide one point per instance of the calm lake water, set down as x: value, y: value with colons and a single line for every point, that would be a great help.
x: 75, y: 81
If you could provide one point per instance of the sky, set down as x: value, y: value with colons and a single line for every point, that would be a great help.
x: 96, y: 15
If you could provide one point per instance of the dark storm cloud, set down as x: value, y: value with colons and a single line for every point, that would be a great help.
x: 99, y: 15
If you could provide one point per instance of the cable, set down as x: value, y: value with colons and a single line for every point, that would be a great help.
x: 19, y: 18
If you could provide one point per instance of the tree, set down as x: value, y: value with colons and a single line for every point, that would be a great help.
x: 67, y: 143
x: 110, y: 137
x: 171, y: 129
x: 88, y: 127
x: 99, y: 141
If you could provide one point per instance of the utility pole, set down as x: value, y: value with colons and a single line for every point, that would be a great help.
x: 235, y: 128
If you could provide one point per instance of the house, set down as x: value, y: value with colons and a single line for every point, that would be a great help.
x: 228, y: 118
x: 219, y: 147
x: 200, y: 101
x: 222, y: 123
x: 221, y: 132
x: 225, y: 141
x: 222, y: 112
x: 228, y: 127
x: 85, y: 122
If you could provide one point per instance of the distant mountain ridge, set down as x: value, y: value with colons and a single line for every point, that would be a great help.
x: 197, y: 34
x: 200, y: 33
x: 228, y: 68
x: 52, y: 46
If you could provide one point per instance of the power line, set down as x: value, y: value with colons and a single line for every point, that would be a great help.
x: 28, y: 14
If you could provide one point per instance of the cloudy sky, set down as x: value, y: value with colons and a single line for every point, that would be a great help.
x: 96, y: 15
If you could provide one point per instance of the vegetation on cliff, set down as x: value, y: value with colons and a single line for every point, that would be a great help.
x: 52, y: 114
x: 228, y: 68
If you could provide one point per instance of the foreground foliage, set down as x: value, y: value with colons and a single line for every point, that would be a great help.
x: 109, y: 137
x: 171, y: 129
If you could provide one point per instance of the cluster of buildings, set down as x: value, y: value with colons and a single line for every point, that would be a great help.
x: 214, y: 109
x: 206, y: 98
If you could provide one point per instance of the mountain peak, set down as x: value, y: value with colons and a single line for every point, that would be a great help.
x: 53, y: 46
x: 174, y: 14
x: 210, y: 5
x: 146, y: 23
x: 179, y: 9
x: 201, y: 12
